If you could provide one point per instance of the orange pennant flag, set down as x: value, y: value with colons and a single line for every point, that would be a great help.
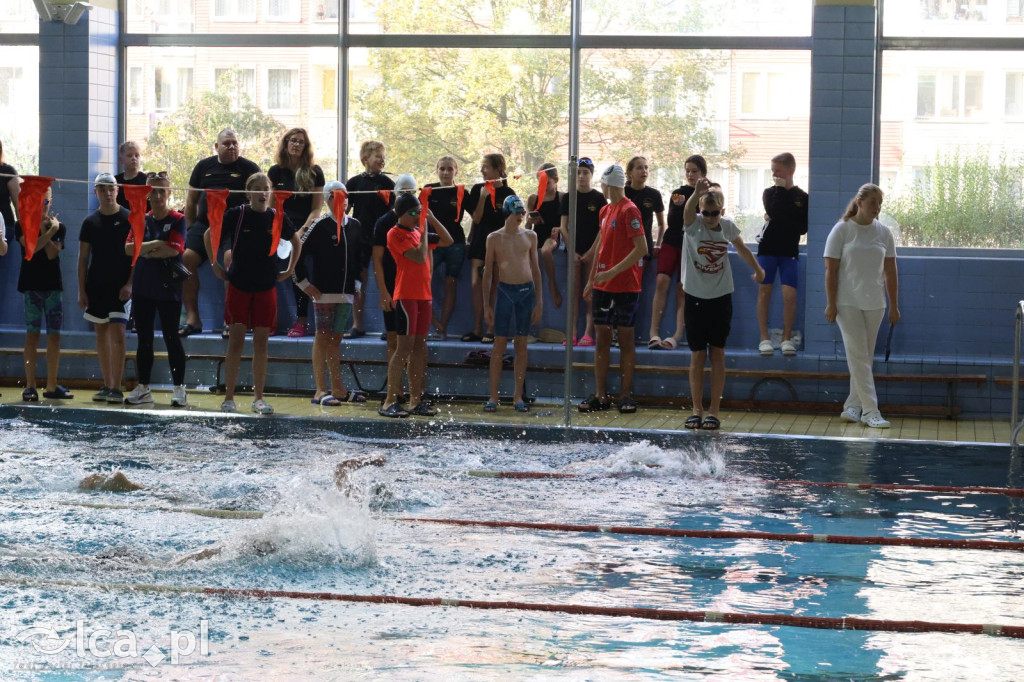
x: 338, y: 199
x: 542, y: 188
x: 424, y: 198
x: 385, y: 195
x: 136, y: 195
x: 489, y: 186
x: 216, y: 202
x: 280, y: 196
x: 30, y: 209
x: 460, y: 191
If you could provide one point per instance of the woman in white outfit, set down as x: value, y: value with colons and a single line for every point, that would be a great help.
x: 860, y: 271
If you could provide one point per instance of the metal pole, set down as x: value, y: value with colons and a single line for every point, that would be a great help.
x: 342, y: 96
x: 570, y: 238
x: 1015, y: 392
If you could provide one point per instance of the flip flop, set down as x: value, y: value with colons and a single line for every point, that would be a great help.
x: 326, y: 401
x: 394, y: 410
x: 189, y: 329
x: 654, y: 343
x: 669, y: 343
x: 30, y: 395
x: 354, y: 334
x: 487, y: 338
x: 61, y: 393
x: 693, y: 421
x: 490, y: 407
x: 627, y: 406
x: 522, y: 407
x: 353, y: 397
x: 711, y: 423
x: 470, y: 337
x: 586, y: 340
x: 423, y: 410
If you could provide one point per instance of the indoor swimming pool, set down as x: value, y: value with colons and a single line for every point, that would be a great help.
x: 92, y: 581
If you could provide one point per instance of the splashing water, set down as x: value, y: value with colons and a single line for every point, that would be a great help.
x: 645, y: 459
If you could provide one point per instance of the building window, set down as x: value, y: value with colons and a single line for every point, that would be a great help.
x: 284, y: 10
x: 950, y: 93
x: 753, y: 182
x: 240, y: 83
x: 328, y: 81
x: 281, y: 92
x: 1014, y: 95
x: 326, y: 10
x: 171, y: 87
x: 764, y: 94
x: 236, y: 10
x: 136, y: 101
x: 9, y: 77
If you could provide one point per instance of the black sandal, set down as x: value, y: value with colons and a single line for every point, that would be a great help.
x: 693, y: 421
x: 627, y: 406
x: 487, y: 338
x: 471, y: 337
x: 595, y: 404
x: 353, y: 396
x: 711, y: 423
x: 30, y: 395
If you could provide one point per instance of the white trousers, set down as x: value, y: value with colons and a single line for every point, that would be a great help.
x: 860, y: 331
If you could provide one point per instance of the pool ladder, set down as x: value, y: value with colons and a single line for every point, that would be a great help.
x: 1015, y: 415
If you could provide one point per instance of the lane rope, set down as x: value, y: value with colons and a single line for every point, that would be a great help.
x: 942, y: 543
x: 776, y: 619
x: 913, y: 487
x: 951, y: 543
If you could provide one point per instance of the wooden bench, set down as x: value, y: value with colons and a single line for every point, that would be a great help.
x: 785, y: 377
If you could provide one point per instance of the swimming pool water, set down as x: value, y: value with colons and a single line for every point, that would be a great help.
x: 325, y: 541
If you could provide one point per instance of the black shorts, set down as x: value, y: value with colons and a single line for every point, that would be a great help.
x: 392, y: 318
x: 194, y: 240
x: 708, y: 321
x: 618, y: 309
x: 105, y: 305
x: 477, y: 247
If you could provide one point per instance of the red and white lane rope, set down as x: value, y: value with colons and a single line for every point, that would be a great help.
x: 776, y: 619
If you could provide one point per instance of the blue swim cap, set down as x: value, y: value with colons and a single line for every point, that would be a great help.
x: 513, y: 204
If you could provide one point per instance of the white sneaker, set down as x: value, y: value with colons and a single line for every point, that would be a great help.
x: 875, y: 421
x: 139, y: 395
x: 261, y: 406
x: 228, y: 406
x: 178, y: 397
x: 766, y: 348
x: 788, y: 347
x: 851, y: 414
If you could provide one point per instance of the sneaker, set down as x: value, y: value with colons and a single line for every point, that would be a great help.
x: 851, y: 414
x: 115, y: 396
x: 100, y: 396
x: 875, y: 421
x: 766, y: 348
x: 178, y: 397
x: 139, y: 395
x: 228, y: 406
x: 261, y: 406
x: 788, y: 347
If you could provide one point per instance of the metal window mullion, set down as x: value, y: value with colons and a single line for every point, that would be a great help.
x: 344, y: 45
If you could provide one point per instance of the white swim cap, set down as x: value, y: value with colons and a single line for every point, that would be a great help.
x: 405, y: 183
x: 328, y: 188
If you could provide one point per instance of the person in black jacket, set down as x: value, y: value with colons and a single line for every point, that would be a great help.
x: 328, y: 272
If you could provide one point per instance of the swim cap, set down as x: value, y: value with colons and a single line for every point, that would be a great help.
x: 104, y: 179
x: 405, y: 183
x: 512, y: 204
x: 406, y: 202
x: 328, y: 200
x: 614, y: 176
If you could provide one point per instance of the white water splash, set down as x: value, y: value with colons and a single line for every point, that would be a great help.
x: 646, y: 459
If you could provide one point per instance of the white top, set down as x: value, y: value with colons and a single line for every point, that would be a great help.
x: 861, y: 250
x: 706, y: 272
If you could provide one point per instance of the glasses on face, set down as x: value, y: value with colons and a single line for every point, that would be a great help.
x: 711, y: 214
x: 156, y: 174
x: 297, y: 141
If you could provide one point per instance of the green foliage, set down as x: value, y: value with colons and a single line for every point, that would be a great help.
x: 466, y: 103
x: 20, y: 150
x: 188, y: 135
x: 963, y: 199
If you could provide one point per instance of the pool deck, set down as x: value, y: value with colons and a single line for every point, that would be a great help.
x: 551, y: 413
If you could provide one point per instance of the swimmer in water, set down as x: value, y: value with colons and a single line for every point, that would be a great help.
x: 262, y: 547
x: 118, y: 483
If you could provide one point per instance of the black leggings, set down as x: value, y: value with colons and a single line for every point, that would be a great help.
x: 144, y: 310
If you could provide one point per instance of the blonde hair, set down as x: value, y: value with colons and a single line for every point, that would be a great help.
x: 713, y: 199
x: 632, y: 164
x: 368, y: 147
x: 862, y: 194
x: 304, y: 176
x: 257, y: 177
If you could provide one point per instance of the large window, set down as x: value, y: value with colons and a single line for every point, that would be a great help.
x: 698, y: 17
x: 190, y: 94
x: 19, y: 107
x: 954, y: 18
x: 508, y: 17
x: 952, y: 146
x: 18, y: 16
